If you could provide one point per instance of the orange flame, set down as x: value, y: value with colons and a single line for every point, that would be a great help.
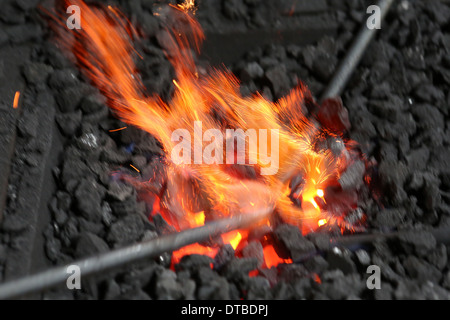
x: 105, y: 52
x: 271, y: 258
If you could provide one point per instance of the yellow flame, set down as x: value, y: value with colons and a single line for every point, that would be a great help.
x: 235, y: 241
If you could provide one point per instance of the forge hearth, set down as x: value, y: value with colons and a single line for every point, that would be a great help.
x: 75, y: 181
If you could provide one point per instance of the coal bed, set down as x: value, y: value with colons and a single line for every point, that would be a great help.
x: 78, y: 181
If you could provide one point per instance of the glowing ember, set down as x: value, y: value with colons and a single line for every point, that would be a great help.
x: 233, y: 238
x: 317, y: 278
x: 200, y: 188
x: 271, y: 258
x: 322, y: 222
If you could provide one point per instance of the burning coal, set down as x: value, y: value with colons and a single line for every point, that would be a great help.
x: 310, y: 153
x: 213, y: 153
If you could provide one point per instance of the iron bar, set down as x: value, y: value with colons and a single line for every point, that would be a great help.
x: 356, y: 241
x: 50, y: 278
x: 442, y: 235
x: 132, y: 253
x: 353, y: 56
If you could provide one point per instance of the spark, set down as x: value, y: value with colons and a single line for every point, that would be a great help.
x: 16, y: 100
x: 114, y: 130
x: 187, y: 5
x: 135, y: 168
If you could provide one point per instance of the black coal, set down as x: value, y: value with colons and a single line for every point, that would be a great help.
x: 63, y: 202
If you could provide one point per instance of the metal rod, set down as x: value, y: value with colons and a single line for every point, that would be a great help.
x: 353, y: 56
x: 120, y: 257
x: 355, y: 241
x: 442, y: 235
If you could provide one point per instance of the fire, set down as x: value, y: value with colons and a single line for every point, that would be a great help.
x: 198, y: 191
x: 199, y: 218
x: 233, y: 238
x: 187, y: 5
x: 195, y: 248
